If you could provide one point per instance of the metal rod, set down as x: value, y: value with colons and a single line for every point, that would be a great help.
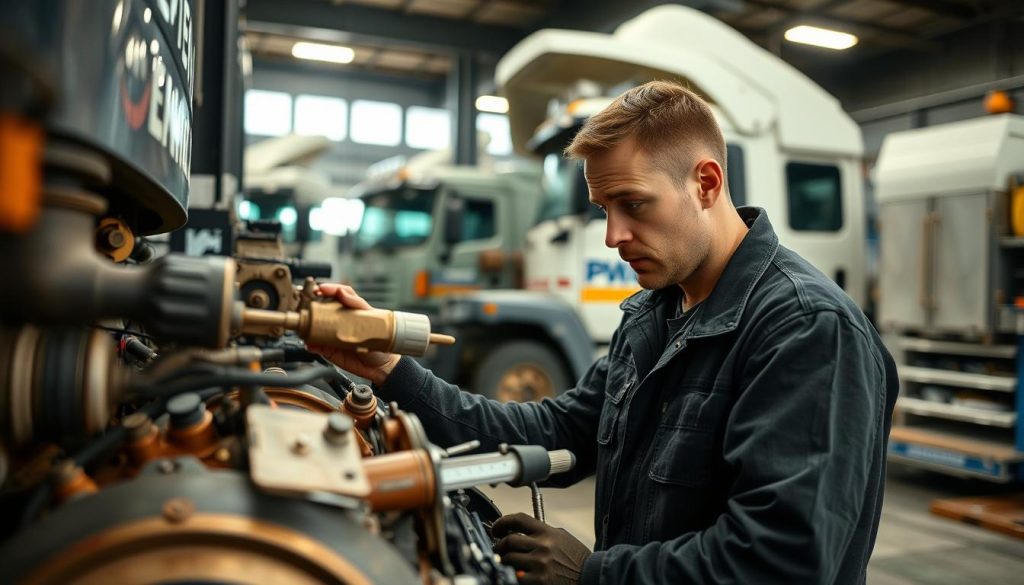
x: 441, y: 339
x: 538, y: 502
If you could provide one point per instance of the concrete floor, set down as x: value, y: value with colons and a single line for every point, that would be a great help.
x: 914, y: 547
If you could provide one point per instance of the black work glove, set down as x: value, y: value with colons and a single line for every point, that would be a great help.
x: 540, y: 554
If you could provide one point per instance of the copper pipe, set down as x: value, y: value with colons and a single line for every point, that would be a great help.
x: 400, y: 481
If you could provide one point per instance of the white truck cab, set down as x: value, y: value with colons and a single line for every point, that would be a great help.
x: 791, y: 150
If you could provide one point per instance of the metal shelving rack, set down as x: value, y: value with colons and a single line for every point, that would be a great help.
x: 954, y: 438
x: 950, y: 270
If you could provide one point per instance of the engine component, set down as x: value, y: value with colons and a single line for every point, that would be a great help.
x: 56, y: 384
x: 361, y: 405
x: 187, y: 524
x: 115, y: 239
x: 202, y: 467
x: 287, y: 454
x: 265, y: 275
x: 62, y: 279
x: 329, y: 324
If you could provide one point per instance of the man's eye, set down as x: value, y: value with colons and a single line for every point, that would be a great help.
x: 633, y: 205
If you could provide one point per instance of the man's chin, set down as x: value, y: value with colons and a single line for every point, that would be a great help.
x: 651, y: 281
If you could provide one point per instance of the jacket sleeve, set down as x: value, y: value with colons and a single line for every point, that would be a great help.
x: 801, y: 438
x: 451, y: 416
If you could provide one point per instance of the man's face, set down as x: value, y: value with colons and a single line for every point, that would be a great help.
x: 657, y: 226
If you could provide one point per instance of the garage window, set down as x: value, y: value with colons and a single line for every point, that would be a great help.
x: 496, y: 127
x: 428, y: 128
x: 376, y: 123
x: 267, y: 113
x: 321, y: 116
x: 815, y: 197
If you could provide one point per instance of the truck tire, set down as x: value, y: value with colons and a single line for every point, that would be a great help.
x: 520, y: 371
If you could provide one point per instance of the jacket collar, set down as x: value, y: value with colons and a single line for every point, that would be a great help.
x: 722, y: 309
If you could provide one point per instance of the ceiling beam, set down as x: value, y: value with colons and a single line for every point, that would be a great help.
x: 942, y: 8
x: 900, y: 37
x: 368, y: 24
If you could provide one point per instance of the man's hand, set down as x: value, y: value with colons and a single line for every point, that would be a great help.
x: 541, y: 554
x: 373, y: 365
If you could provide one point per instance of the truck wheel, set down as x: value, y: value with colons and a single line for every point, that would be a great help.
x: 520, y: 371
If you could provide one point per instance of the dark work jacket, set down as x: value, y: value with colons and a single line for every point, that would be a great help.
x: 749, y: 448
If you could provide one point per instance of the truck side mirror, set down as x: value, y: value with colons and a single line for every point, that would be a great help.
x: 453, y: 220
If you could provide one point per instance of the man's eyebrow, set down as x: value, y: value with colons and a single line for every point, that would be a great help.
x: 608, y: 198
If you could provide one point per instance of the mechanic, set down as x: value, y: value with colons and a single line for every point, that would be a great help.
x: 738, y: 424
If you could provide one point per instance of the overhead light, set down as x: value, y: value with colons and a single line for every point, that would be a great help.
x: 821, y: 37
x: 322, y: 52
x: 492, y: 103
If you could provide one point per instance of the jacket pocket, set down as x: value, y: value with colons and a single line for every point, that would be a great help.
x: 621, y: 378
x: 682, y: 457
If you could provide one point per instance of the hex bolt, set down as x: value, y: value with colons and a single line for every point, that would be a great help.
x: 361, y: 395
x: 338, y: 428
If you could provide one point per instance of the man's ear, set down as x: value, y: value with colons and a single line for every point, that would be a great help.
x: 710, y: 181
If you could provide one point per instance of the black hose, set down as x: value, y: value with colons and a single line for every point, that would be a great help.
x: 237, y: 377
x: 85, y: 457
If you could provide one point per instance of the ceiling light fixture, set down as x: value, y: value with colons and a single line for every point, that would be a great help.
x: 322, y: 52
x: 821, y: 37
x: 492, y: 103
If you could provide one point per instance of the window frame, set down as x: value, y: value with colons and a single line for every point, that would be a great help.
x: 835, y: 170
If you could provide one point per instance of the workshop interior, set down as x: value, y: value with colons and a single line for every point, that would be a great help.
x: 179, y: 178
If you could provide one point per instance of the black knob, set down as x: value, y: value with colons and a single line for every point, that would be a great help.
x: 362, y: 395
x: 186, y: 410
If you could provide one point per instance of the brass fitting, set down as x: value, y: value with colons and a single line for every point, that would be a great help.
x: 329, y: 324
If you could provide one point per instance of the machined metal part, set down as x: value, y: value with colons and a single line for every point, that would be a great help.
x: 537, y: 498
x: 20, y: 387
x: 115, y: 239
x: 56, y: 277
x: 288, y: 453
x: 190, y: 524
x: 330, y: 324
x: 266, y: 286
x: 58, y: 384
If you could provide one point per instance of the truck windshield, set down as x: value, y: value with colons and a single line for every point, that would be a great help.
x: 395, y: 219
x: 564, y: 188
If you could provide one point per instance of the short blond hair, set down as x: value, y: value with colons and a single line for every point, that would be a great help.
x: 668, y: 121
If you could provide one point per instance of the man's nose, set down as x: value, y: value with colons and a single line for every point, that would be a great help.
x: 616, y: 232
